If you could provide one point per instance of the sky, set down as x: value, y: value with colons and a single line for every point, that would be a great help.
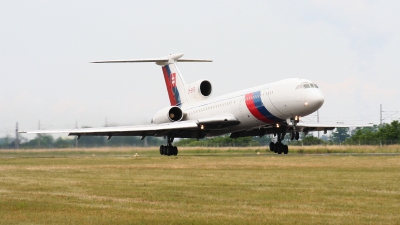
x: 349, y: 48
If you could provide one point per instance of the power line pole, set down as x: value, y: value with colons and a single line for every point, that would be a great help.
x: 380, y: 113
x: 16, y: 137
x: 392, y: 113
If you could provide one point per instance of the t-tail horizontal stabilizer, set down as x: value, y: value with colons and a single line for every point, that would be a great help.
x: 159, y: 61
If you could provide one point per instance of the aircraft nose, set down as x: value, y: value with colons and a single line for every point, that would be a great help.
x: 315, y: 100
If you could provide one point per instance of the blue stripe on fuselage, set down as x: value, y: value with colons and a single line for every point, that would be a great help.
x: 262, y: 109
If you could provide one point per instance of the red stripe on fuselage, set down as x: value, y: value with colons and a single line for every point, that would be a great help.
x: 171, y: 96
x: 253, y: 109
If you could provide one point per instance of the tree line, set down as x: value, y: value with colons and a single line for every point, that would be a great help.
x: 385, y: 134
x: 48, y: 141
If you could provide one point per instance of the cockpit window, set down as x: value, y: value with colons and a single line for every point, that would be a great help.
x: 306, y: 85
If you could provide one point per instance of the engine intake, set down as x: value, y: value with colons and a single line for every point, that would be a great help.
x: 205, y: 88
x: 175, y: 114
x: 168, y: 114
x: 199, y: 90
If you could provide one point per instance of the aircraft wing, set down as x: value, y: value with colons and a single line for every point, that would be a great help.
x: 303, y: 127
x: 324, y: 127
x: 181, y: 129
x: 138, y: 130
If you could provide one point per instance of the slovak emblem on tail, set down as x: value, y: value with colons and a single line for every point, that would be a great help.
x: 171, y: 83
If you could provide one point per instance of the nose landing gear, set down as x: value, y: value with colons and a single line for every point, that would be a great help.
x: 294, y: 135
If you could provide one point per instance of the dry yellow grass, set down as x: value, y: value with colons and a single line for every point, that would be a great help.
x: 348, y: 148
x: 197, y: 188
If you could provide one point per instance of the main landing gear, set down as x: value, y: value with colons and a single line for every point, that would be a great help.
x: 280, y: 148
x: 169, y: 149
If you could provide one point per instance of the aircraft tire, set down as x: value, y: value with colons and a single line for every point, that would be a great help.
x: 162, y: 149
x: 292, y: 135
x: 175, y: 150
x: 286, y: 150
x: 276, y: 148
x: 281, y: 148
x: 271, y: 146
x: 297, y: 136
x: 169, y: 150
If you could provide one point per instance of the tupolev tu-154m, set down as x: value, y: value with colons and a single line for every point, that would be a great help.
x: 273, y: 108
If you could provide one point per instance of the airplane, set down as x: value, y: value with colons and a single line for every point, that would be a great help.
x: 273, y: 108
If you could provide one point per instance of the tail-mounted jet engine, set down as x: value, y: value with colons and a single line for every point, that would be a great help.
x: 167, y: 115
x: 199, y: 90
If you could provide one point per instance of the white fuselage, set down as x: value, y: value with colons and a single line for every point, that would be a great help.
x: 266, y: 104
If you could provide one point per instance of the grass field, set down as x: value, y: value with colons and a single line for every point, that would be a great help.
x: 200, y: 186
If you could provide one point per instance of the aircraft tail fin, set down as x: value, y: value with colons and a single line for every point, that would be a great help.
x: 176, y: 86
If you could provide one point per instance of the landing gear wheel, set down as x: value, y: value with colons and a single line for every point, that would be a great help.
x: 271, y: 146
x: 280, y: 149
x: 286, y: 149
x: 292, y: 135
x: 276, y: 147
x: 168, y: 149
x: 297, y: 136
